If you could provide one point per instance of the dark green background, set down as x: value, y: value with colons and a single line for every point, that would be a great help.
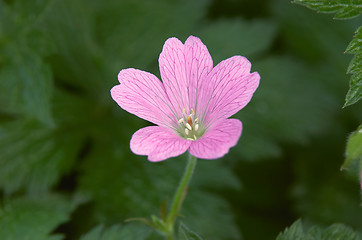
x: 65, y: 162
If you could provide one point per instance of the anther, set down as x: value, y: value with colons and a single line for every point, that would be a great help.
x: 186, y: 131
x: 189, y: 120
x: 196, y: 120
x: 196, y: 127
x: 193, y: 112
x: 181, y: 120
x: 188, y: 126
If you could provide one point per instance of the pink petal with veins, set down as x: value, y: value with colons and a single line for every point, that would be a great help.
x: 218, y: 140
x: 229, y: 87
x: 142, y: 94
x: 183, y: 68
x: 158, y: 143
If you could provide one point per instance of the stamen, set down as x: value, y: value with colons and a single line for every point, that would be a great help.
x: 190, y: 127
x: 189, y: 120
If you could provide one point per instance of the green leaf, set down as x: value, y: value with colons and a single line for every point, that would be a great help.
x: 77, y: 54
x: 355, y: 65
x: 355, y: 45
x: 333, y: 232
x: 26, y: 80
x: 34, y: 218
x: 355, y: 68
x: 343, y: 8
x: 354, y: 148
x: 339, y: 232
x: 33, y: 156
x: 26, y: 89
x: 294, y: 232
x: 117, y: 232
x: 186, y: 234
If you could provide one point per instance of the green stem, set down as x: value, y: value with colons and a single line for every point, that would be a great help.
x: 180, y: 195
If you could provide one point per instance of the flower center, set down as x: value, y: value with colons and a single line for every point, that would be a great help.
x: 189, y: 127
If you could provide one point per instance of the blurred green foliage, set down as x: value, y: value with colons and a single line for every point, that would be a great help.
x: 66, y: 170
x: 34, y: 218
x: 117, y: 232
x: 345, y: 9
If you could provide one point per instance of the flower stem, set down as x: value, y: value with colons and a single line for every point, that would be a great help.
x: 180, y: 196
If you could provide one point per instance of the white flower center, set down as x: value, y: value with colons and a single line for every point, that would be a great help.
x: 190, y: 128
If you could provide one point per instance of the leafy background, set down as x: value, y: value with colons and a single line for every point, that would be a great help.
x: 66, y: 171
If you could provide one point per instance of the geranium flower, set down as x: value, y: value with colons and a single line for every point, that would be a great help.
x: 191, y: 105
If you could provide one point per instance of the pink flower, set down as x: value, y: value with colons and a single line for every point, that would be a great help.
x: 191, y: 106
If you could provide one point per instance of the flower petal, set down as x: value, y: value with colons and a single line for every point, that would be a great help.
x: 229, y: 88
x: 217, y: 142
x: 142, y: 94
x: 183, y: 68
x: 158, y: 143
